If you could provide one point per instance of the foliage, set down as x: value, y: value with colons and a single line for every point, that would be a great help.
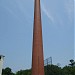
x: 52, y: 70
x: 49, y: 70
x: 24, y: 72
x: 72, y: 63
x: 7, y: 71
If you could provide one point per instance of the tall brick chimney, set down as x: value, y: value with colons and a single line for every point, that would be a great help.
x: 37, y: 51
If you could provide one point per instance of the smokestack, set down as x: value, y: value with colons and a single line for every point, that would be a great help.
x: 37, y: 51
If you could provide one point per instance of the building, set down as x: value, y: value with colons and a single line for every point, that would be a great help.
x: 1, y: 63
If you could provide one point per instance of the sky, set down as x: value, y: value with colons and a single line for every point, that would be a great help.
x: 16, y: 31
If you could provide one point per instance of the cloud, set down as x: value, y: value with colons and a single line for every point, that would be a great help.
x: 52, y: 14
x: 10, y: 11
x: 59, y: 13
x: 47, y: 13
x: 18, y: 9
x: 25, y: 8
x: 69, y: 6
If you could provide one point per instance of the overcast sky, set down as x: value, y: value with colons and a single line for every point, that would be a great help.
x: 16, y: 31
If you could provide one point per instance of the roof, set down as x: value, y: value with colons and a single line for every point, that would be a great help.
x: 2, y: 56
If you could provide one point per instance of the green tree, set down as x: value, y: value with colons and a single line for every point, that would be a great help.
x: 49, y: 70
x: 24, y: 72
x: 68, y: 70
x: 53, y: 70
x: 7, y: 71
x: 72, y: 63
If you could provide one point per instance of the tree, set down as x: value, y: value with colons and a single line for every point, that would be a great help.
x: 7, y: 71
x: 53, y: 70
x: 24, y: 72
x: 72, y: 63
x: 68, y: 70
x: 49, y: 70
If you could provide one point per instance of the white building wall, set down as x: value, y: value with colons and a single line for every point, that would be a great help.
x: 1, y: 63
